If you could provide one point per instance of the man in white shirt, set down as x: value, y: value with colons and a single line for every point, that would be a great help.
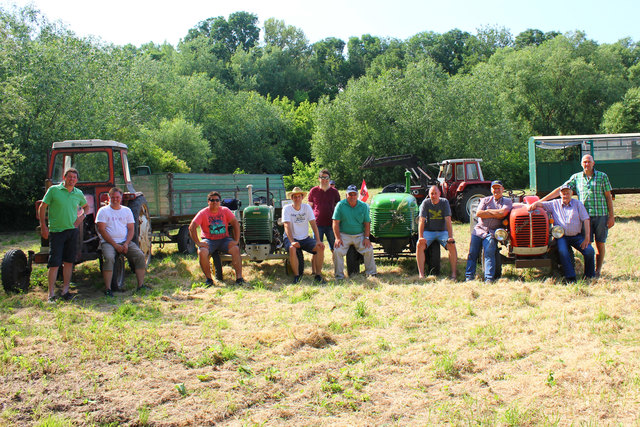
x: 115, y: 225
x: 297, y: 217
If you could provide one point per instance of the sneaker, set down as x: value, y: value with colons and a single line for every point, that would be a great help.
x: 208, y: 283
x: 52, y: 299
x: 68, y: 296
x: 296, y: 279
x: 239, y: 281
x: 108, y: 293
x: 319, y: 279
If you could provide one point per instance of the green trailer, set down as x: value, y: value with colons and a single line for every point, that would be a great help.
x: 175, y: 198
x: 617, y: 155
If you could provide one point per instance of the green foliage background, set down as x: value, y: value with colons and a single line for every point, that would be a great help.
x: 222, y: 100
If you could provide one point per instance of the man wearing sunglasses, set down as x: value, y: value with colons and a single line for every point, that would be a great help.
x: 323, y: 199
x: 214, y: 221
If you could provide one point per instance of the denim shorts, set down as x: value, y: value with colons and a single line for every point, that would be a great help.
x: 599, y: 228
x: 308, y: 244
x: 441, y: 236
x: 220, y: 245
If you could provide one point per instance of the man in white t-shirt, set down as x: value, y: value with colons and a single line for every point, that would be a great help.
x: 297, y: 217
x: 116, y: 227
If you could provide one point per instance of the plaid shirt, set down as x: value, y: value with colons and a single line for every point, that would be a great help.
x: 591, y: 191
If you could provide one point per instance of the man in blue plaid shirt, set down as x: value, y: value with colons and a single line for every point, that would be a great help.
x: 594, y: 191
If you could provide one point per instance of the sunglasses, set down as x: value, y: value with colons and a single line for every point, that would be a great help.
x: 323, y: 177
x: 214, y: 200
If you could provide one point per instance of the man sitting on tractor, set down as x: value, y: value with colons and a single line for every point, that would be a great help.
x: 297, y: 217
x: 491, y: 211
x: 434, y: 224
x: 571, y: 215
x: 352, y: 225
x: 116, y: 228
x: 214, y: 222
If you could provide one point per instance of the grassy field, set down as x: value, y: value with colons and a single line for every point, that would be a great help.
x: 395, y: 350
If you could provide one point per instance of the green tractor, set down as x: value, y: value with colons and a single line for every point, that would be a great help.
x: 394, y: 221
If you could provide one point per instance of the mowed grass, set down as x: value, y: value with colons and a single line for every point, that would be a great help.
x: 526, y: 350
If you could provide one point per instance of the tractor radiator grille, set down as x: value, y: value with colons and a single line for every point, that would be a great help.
x: 531, y: 231
x: 391, y: 224
x: 256, y: 230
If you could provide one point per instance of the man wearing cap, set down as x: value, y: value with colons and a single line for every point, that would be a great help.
x: 323, y: 199
x: 214, y: 221
x: 594, y: 191
x: 351, y: 225
x: 434, y: 225
x: 572, y: 216
x: 297, y: 217
x: 491, y: 211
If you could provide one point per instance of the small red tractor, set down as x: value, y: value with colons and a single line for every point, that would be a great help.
x: 460, y: 181
x: 101, y: 165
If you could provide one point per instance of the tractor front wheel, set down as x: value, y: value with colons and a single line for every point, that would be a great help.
x: 467, y: 202
x: 15, y: 271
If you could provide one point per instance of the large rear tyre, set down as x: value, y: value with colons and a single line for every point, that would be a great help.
x: 185, y: 244
x: 15, y: 271
x: 468, y: 201
x: 142, y: 226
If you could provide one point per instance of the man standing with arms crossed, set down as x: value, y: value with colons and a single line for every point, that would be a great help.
x: 594, y: 191
x: 63, y: 201
x: 323, y: 199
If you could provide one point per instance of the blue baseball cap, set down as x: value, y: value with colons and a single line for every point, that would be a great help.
x: 497, y: 182
x: 352, y: 189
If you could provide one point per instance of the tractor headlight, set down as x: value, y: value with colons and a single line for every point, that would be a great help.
x: 501, y: 235
x: 557, y: 231
x: 280, y: 221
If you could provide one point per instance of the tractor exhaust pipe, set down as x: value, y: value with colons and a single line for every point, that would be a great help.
x: 250, y: 188
x: 407, y: 182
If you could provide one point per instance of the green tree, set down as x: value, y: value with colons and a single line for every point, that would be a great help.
x: 623, y: 116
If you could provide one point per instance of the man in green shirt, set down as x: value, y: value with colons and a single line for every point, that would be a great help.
x: 351, y: 226
x: 594, y: 191
x: 63, y: 201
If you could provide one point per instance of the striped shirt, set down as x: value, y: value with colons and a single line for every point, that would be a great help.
x: 590, y: 191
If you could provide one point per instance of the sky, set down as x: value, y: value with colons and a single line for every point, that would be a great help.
x: 141, y: 21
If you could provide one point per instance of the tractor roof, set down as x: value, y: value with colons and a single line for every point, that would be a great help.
x: 88, y: 143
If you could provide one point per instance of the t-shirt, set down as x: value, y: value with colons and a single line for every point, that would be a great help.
x: 435, y: 214
x: 323, y: 204
x: 63, y: 207
x: 116, y: 221
x: 214, y: 226
x: 299, y: 220
x: 352, y: 219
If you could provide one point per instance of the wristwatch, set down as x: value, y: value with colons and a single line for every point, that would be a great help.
x: 366, y: 237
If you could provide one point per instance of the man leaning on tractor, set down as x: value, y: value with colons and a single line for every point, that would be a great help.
x: 63, y: 201
x: 594, y: 191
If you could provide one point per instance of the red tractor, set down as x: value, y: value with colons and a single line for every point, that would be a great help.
x: 460, y: 181
x: 101, y: 165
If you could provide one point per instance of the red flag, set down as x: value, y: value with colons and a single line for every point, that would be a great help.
x: 364, y: 193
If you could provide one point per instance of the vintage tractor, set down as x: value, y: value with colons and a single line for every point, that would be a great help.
x: 460, y: 181
x: 394, y: 224
x: 262, y: 237
x: 101, y: 165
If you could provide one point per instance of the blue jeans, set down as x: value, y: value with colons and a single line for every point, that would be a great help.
x: 490, y: 245
x: 564, y: 251
x: 327, y: 230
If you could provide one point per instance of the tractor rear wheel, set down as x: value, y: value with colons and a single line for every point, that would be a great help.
x: 468, y: 201
x: 185, y: 244
x: 15, y: 271
x: 142, y: 226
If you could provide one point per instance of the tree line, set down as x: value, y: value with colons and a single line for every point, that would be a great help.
x: 232, y: 96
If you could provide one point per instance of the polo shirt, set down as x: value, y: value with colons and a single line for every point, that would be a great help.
x: 352, y: 219
x: 63, y: 207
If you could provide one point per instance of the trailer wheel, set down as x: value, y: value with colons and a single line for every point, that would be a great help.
x: 468, y: 201
x: 15, y: 271
x: 142, y: 226
x: 185, y: 244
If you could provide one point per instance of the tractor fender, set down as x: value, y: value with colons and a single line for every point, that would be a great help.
x: 461, y: 187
